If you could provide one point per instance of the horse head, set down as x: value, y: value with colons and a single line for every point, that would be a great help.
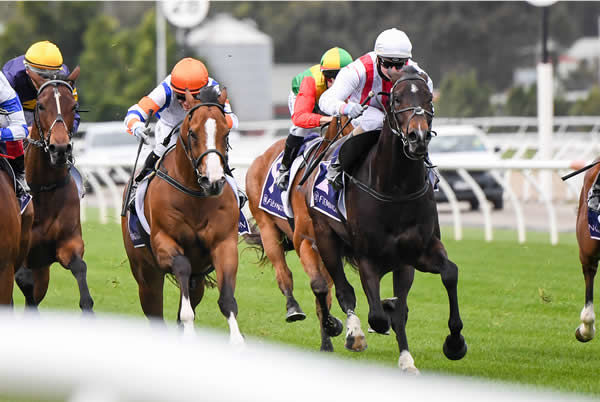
x: 54, y: 115
x: 204, y: 135
x: 410, y: 111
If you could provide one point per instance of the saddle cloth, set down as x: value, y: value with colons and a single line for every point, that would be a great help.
x: 137, y: 221
x: 274, y: 201
x: 324, y: 198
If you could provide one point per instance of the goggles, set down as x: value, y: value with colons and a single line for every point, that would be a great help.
x: 392, y: 62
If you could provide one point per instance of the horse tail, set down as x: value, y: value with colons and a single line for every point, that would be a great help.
x: 254, y: 241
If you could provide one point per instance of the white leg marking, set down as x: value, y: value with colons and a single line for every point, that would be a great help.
x: 407, y: 363
x: 355, y: 337
x: 214, y: 170
x: 235, y: 336
x: 587, y: 329
x: 187, y: 316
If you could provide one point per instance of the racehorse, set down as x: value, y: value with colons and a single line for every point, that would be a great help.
x: 392, y: 223
x: 15, y: 230
x: 193, y: 215
x: 589, y: 254
x: 56, y: 232
x: 276, y: 234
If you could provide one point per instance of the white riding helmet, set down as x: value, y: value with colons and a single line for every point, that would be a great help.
x: 393, y: 43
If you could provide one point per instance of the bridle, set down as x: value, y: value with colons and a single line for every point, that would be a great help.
x: 45, y: 139
x: 187, y: 149
x: 394, y: 121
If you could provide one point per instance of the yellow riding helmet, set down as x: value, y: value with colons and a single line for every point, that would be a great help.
x: 44, y: 55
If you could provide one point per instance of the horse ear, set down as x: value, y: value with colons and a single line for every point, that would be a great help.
x: 223, y: 96
x: 37, y: 79
x: 74, y: 75
x: 188, y: 97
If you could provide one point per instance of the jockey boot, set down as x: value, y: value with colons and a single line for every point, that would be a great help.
x: 18, y: 166
x: 292, y: 145
x: 148, y: 166
x: 334, y: 175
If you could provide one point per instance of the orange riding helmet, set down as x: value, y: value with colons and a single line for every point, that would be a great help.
x: 189, y: 74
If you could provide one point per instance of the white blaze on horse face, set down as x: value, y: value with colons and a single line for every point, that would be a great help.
x: 57, y: 97
x: 413, y: 88
x: 214, y: 170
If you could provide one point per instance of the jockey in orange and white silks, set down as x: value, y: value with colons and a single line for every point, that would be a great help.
x: 13, y: 130
x: 168, y: 102
x: 375, y: 71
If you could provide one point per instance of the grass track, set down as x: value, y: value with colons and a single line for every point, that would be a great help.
x: 520, y: 305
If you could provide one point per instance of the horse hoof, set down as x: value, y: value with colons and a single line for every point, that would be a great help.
x: 410, y: 371
x: 327, y: 346
x: 333, y: 326
x: 295, y: 315
x: 355, y: 343
x: 580, y: 337
x: 372, y: 331
x: 455, y: 350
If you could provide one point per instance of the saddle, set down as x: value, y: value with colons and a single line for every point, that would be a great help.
x: 356, y: 147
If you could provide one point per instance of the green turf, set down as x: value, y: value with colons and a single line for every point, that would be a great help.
x: 520, y: 305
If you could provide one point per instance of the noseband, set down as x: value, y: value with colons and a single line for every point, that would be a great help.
x: 187, y: 149
x: 394, y: 121
x: 45, y: 139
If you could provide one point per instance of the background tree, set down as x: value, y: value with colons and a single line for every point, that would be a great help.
x: 589, y: 106
x: 463, y: 95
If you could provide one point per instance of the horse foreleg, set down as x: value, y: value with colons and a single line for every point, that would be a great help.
x: 25, y: 282
x: 7, y: 275
x: 270, y: 236
x: 225, y: 259
x: 320, y: 286
x: 183, y: 271
x: 397, y: 309
x: 370, y: 280
x: 587, y: 329
x: 70, y: 256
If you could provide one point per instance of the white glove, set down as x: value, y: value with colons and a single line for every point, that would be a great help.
x: 353, y: 110
x: 142, y: 132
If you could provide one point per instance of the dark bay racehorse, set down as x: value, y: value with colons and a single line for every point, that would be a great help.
x: 56, y: 233
x: 392, y: 221
x: 589, y: 254
x: 276, y: 234
x: 193, y: 217
x: 15, y: 231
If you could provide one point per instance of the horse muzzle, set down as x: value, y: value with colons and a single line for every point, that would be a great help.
x: 418, y: 142
x: 212, y: 189
x: 60, y: 154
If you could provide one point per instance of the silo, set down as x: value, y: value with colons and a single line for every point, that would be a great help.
x: 240, y: 57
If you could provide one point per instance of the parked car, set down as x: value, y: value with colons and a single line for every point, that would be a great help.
x: 108, y: 143
x: 465, y: 142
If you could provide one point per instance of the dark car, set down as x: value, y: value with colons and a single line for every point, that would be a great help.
x: 464, y: 142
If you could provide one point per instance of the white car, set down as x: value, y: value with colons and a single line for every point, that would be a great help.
x: 465, y: 142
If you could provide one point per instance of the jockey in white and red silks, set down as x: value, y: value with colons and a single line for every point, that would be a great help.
x: 375, y: 71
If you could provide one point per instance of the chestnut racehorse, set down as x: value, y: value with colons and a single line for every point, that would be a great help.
x: 589, y: 254
x: 193, y: 217
x: 275, y: 233
x: 15, y: 230
x: 56, y: 232
x: 392, y: 223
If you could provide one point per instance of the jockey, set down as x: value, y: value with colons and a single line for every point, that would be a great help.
x: 13, y: 129
x: 376, y: 71
x: 168, y: 102
x: 45, y: 59
x: 303, y: 101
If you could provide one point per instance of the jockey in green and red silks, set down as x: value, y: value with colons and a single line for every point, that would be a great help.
x: 303, y: 102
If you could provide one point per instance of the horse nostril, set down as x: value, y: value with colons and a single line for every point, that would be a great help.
x: 412, y: 137
x: 204, y: 182
x: 69, y: 147
x: 52, y: 148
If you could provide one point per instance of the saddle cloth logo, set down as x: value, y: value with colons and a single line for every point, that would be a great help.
x: 324, y: 198
x: 594, y: 224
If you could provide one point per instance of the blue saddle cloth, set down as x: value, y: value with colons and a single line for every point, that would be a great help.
x: 594, y: 224
x: 324, y: 197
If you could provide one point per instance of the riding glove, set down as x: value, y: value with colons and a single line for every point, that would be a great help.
x: 353, y: 110
x: 142, y: 132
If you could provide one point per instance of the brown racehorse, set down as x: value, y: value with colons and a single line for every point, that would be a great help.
x: 589, y: 254
x: 56, y: 232
x: 16, y: 232
x: 274, y: 232
x: 193, y: 215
